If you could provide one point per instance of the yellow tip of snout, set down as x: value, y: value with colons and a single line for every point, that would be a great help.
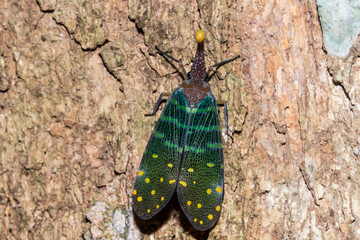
x: 200, y: 36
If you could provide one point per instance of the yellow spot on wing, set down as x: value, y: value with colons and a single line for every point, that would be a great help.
x: 161, y: 179
x: 155, y: 156
x: 134, y: 192
x: 219, y: 189
x: 139, y: 199
x: 148, y: 210
x: 195, y: 219
x: 189, y: 203
x: 140, y: 173
x: 157, y: 206
x: 190, y: 170
x: 152, y: 192
x: 210, y: 164
x: 171, y: 181
x: 217, y: 208
x: 194, y: 182
x: 210, y: 216
x: 208, y: 191
x: 199, y: 205
x: 201, y: 222
x: 162, y: 198
x: 147, y: 180
x: 170, y: 165
x: 183, y: 183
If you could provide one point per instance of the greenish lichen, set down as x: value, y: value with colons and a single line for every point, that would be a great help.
x: 109, y: 222
x: 340, y: 23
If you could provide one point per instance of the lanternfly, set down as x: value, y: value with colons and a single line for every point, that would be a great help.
x: 185, y: 153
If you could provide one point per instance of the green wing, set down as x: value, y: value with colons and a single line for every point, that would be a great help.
x: 158, y: 173
x: 201, y: 181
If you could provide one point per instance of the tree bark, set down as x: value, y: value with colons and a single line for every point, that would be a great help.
x: 77, y: 78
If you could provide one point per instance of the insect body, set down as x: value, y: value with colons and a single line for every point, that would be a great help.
x: 185, y: 152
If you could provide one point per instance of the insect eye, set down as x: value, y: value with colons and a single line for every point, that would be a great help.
x: 188, y: 75
x: 206, y: 78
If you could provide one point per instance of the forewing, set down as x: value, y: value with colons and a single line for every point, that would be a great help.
x: 158, y: 172
x: 200, y: 188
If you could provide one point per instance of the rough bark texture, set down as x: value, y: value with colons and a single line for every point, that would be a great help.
x: 78, y: 76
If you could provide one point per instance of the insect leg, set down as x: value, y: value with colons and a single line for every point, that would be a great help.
x: 222, y: 102
x: 165, y: 94
x: 220, y: 64
x: 175, y: 60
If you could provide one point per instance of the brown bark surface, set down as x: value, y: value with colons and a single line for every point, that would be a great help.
x: 77, y: 77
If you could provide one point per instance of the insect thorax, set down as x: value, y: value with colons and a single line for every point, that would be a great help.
x: 194, y: 92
